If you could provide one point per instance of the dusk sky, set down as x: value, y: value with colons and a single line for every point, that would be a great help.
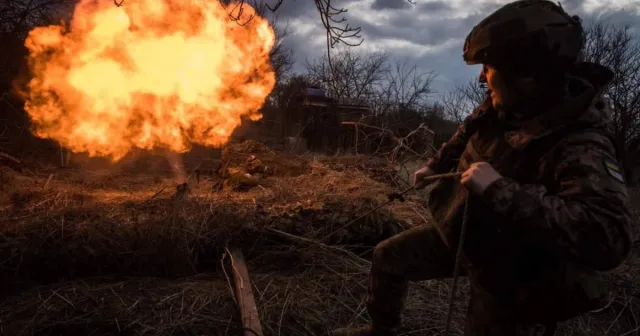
x: 428, y: 33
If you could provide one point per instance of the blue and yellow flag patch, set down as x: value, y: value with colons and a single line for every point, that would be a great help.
x: 613, y: 168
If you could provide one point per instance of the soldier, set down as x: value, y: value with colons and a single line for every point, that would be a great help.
x: 546, y: 196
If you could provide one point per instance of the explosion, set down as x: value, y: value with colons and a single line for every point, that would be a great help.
x: 148, y: 74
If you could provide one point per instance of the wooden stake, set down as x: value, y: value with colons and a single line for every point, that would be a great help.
x: 48, y: 180
x: 244, y: 295
x: 9, y: 157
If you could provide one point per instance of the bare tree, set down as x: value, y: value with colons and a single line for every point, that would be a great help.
x: 474, y: 92
x: 403, y: 88
x: 352, y: 77
x: 454, y: 105
x: 617, y: 48
x: 397, y: 93
x: 459, y: 102
x: 359, y: 78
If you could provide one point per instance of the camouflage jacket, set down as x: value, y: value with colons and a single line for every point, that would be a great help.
x: 558, y: 213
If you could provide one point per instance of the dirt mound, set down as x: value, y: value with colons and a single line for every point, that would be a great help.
x: 64, y: 226
x: 276, y: 163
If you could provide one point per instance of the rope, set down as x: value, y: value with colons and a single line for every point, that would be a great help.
x: 457, y: 266
x: 393, y: 197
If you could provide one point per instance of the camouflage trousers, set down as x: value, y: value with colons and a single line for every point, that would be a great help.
x: 420, y: 254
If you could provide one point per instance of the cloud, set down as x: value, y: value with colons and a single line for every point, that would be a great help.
x: 429, y: 33
x: 435, y: 7
x: 389, y: 4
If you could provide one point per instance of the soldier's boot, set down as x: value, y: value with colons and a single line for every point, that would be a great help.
x: 362, y: 331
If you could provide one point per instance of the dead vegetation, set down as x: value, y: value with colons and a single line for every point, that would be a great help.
x: 103, y: 253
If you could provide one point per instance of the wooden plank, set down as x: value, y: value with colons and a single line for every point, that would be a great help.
x: 244, y: 295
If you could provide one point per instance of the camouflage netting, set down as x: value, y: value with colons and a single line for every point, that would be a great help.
x: 105, y: 253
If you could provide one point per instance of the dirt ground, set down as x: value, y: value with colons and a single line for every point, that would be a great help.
x: 106, y: 251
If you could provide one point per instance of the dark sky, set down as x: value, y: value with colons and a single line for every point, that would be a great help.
x: 429, y: 33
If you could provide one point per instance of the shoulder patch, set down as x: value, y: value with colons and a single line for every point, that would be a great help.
x: 613, y: 168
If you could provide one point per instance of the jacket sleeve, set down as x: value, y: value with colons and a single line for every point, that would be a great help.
x: 447, y: 156
x: 586, y: 218
x: 449, y: 153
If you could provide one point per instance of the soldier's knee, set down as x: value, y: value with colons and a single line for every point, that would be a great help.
x: 380, y: 251
x: 385, y: 252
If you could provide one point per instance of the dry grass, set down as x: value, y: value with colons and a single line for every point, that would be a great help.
x: 104, y: 253
x: 123, y: 306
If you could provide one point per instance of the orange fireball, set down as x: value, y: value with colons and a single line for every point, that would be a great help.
x: 151, y: 73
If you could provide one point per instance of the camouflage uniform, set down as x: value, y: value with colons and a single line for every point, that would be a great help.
x: 559, y: 210
x: 537, y: 235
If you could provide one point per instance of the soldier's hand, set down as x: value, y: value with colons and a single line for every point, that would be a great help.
x: 479, y: 176
x: 419, y: 175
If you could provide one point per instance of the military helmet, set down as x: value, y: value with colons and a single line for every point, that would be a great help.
x: 526, y: 33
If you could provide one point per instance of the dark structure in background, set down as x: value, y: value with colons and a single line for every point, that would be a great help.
x: 323, y: 125
x: 319, y: 124
x: 322, y: 122
x: 314, y: 122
